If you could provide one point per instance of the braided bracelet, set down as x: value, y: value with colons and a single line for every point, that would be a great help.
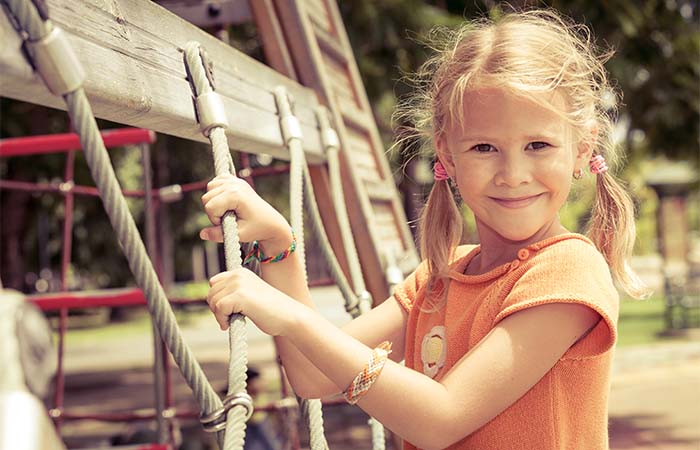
x: 364, y: 380
x: 256, y: 253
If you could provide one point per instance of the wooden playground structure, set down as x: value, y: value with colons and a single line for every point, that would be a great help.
x: 132, y: 55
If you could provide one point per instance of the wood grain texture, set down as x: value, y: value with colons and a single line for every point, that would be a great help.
x: 132, y: 53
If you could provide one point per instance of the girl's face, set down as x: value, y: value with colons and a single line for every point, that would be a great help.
x: 513, y: 161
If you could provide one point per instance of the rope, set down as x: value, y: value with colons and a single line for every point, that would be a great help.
x: 201, y: 78
x: 311, y: 408
x: 115, y: 205
x: 354, y: 306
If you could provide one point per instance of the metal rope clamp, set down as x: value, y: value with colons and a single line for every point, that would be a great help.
x: 365, y: 301
x: 329, y: 137
x: 216, y: 421
x: 54, y: 59
x: 289, y: 124
x: 210, y: 112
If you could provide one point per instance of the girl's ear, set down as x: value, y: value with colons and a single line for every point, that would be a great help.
x: 445, y: 156
x: 586, y: 145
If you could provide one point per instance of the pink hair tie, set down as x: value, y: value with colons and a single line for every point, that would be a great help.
x: 597, y: 165
x: 439, y: 172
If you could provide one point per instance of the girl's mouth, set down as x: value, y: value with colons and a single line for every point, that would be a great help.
x: 516, y: 202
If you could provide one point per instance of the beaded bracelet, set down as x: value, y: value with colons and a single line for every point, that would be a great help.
x: 364, y: 380
x: 256, y: 253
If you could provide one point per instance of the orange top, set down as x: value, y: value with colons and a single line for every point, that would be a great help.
x: 567, y: 408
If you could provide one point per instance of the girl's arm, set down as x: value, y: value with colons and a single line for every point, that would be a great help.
x: 257, y: 220
x: 498, y: 371
x: 385, y: 322
x: 511, y: 359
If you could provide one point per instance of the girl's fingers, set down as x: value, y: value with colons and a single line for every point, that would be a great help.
x: 222, y: 309
x: 212, y: 234
x: 226, y: 200
x: 212, y: 191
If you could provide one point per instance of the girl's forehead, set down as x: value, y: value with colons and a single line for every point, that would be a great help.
x: 496, y: 109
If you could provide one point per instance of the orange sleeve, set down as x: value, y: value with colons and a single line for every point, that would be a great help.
x: 574, y: 273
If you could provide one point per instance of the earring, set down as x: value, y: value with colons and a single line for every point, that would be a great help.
x: 578, y: 174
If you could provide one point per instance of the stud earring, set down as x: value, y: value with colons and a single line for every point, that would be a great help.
x: 578, y: 174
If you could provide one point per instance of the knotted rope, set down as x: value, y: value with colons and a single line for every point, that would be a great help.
x: 61, y: 71
x: 213, y: 123
x: 291, y: 133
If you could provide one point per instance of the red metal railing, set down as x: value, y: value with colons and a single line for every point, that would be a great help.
x: 63, y: 301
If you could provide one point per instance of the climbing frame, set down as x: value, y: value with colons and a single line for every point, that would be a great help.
x: 132, y: 53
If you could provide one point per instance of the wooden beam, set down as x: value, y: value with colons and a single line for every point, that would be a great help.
x: 132, y: 53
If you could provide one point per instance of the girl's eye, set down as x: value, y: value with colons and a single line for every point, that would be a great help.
x: 537, y: 145
x: 483, y: 148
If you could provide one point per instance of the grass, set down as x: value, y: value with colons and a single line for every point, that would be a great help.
x: 642, y: 322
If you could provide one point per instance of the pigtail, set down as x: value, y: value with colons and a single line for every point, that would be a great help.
x: 612, y: 229
x: 440, y: 231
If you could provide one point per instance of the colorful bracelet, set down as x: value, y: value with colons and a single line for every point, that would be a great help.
x: 364, y: 380
x: 256, y: 253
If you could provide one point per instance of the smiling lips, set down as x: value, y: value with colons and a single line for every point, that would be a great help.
x: 516, y: 202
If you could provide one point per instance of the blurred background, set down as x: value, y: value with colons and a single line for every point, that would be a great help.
x: 656, y: 66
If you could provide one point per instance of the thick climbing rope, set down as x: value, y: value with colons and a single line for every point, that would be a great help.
x: 355, y: 305
x: 61, y: 71
x: 299, y: 173
x: 291, y: 133
x: 42, y: 36
x: 213, y: 123
x: 331, y: 144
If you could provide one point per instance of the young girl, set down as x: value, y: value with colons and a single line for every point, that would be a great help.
x: 508, y: 344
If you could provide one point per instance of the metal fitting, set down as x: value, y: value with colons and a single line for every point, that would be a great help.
x: 169, y: 194
x: 56, y: 62
x: 394, y: 275
x: 66, y: 186
x: 210, y: 112
x: 329, y: 137
x: 291, y: 128
x: 216, y: 421
x: 365, y: 301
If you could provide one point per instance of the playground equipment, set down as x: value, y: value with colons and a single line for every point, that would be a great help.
x: 248, y: 109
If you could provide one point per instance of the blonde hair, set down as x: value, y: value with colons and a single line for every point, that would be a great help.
x: 526, y: 52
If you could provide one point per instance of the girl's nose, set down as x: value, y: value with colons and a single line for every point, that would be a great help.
x: 513, y: 171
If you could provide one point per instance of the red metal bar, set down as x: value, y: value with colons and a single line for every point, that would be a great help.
x: 66, y: 249
x: 57, y: 143
x: 93, y: 299
x: 88, y: 299
x: 62, y: 188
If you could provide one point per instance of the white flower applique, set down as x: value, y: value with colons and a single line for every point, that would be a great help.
x: 433, y: 350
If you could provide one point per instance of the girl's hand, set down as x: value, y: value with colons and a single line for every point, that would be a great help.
x: 256, y: 219
x: 241, y: 291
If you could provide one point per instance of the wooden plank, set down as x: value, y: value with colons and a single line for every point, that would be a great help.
x: 132, y: 53
x: 304, y: 48
x: 318, y: 13
x: 339, y: 81
x: 374, y: 133
x: 329, y: 44
x: 389, y: 234
x: 270, y: 32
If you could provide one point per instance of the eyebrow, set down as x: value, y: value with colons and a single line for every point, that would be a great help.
x: 533, y: 137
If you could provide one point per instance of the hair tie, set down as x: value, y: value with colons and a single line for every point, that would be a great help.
x: 597, y: 165
x: 439, y: 172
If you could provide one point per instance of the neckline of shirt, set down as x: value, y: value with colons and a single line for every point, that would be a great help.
x: 456, y: 270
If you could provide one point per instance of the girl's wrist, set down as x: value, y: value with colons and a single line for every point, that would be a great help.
x: 280, y: 241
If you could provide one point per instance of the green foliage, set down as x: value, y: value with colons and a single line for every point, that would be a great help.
x: 656, y: 66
